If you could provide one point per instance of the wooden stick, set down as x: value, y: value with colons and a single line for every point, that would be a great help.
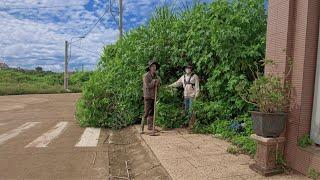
x: 154, y: 110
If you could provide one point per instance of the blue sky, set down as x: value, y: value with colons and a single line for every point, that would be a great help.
x: 31, y: 35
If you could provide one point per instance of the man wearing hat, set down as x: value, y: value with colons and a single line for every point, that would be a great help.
x: 190, y: 83
x: 150, y: 81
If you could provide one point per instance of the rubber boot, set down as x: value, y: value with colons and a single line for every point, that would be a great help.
x: 150, y: 121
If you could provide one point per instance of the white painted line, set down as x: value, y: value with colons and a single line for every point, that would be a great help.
x: 49, y: 136
x: 15, y: 132
x: 89, y: 138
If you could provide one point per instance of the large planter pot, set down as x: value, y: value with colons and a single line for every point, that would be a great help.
x: 268, y: 124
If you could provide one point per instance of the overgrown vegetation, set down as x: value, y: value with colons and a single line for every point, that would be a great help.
x: 169, y: 109
x: 223, y: 39
x: 305, y: 141
x: 230, y: 131
x: 282, y: 163
x: 314, y: 174
x: 14, y: 82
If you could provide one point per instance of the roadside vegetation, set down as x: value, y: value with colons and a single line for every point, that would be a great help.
x: 19, y: 81
x: 225, y: 40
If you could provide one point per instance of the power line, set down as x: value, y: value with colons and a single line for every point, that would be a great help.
x: 95, y: 23
x: 79, y: 47
x: 40, y: 7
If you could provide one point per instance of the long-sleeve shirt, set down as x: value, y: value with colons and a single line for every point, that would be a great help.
x: 149, y: 85
x: 190, y: 91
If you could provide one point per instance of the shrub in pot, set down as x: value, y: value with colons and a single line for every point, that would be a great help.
x: 270, y: 95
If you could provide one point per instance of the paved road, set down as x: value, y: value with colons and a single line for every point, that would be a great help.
x: 40, y: 139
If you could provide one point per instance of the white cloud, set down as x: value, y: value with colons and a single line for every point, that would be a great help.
x: 32, y: 37
x: 26, y: 41
x: 52, y: 67
x: 32, y: 3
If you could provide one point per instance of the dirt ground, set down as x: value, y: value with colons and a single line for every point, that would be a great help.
x: 126, y: 145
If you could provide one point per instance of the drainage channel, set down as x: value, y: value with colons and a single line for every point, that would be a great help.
x: 129, y: 159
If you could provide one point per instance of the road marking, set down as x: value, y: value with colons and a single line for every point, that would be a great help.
x: 15, y: 132
x: 49, y: 136
x: 89, y: 138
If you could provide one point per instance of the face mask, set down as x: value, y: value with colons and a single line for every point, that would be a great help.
x: 188, y: 70
x: 153, y: 68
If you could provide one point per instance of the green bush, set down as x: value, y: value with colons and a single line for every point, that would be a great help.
x: 169, y: 109
x: 79, y: 78
x: 246, y: 144
x: 223, y: 129
x: 222, y: 39
x: 267, y: 93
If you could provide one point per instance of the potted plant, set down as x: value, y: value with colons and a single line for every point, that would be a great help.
x: 270, y: 95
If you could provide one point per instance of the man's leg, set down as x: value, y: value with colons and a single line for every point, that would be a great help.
x: 150, y: 121
x: 145, y: 115
x: 150, y: 109
x: 187, y: 111
x: 186, y: 105
x: 192, y: 114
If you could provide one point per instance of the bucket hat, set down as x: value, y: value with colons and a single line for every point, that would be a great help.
x: 150, y: 63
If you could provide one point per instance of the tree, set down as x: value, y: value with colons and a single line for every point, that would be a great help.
x: 39, y: 69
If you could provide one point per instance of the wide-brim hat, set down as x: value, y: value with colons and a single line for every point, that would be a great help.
x: 189, y: 65
x: 150, y: 63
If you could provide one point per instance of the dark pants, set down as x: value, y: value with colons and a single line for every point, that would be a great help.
x: 188, y: 104
x: 187, y: 109
x: 148, y: 113
x: 148, y: 107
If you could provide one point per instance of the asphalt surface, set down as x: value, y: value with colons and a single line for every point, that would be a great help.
x: 40, y: 139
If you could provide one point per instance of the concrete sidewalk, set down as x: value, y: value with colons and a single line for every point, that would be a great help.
x: 196, y: 156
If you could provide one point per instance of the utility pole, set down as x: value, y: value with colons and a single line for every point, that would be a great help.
x: 120, y: 18
x: 82, y: 67
x: 66, y: 75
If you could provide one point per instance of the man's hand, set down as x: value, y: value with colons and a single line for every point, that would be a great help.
x: 156, y: 82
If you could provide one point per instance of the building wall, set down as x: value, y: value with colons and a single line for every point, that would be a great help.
x: 293, y: 26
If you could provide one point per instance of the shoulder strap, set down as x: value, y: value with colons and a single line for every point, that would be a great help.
x: 189, y: 81
x: 191, y: 77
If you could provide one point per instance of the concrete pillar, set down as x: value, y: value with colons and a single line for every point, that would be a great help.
x: 268, y: 150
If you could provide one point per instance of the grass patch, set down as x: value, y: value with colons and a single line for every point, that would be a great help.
x: 305, y: 141
x: 313, y: 174
x: 233, y: 150
x: 225, y: 129
x: 16, y: 82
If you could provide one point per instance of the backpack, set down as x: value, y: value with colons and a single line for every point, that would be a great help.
x: 188, y: 82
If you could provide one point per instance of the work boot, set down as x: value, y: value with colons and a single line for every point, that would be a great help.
x: 150, y: 121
